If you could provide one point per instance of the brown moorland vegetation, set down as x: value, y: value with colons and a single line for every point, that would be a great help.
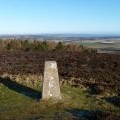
x: 93, y: 70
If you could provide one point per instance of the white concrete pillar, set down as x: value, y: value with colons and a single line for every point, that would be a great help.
x: 51, y: 86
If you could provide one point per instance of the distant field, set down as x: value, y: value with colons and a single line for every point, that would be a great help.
x: 112, y: 46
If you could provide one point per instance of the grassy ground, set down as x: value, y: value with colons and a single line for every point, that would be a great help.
x: 20, y: 102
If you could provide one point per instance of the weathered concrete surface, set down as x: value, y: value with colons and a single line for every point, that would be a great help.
x: 51, y: 87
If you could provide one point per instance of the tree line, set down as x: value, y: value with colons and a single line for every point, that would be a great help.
x: 34, y: 45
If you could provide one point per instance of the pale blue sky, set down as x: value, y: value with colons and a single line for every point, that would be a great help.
x: 59, y: 16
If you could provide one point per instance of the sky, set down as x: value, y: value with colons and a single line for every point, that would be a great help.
x: 59, y: 16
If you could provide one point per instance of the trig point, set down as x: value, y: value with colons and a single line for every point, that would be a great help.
x: 51, y: 87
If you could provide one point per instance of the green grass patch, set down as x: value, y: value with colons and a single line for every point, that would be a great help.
x: 17, y: 106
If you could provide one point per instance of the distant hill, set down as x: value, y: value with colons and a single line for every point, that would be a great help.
x: 60, y: 36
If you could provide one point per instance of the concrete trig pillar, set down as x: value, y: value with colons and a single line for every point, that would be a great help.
x: 51, y: 87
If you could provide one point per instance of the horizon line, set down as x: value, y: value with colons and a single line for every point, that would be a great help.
x: 69, y: 33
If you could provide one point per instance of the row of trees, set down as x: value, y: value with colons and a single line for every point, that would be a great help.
x: 27, y: 45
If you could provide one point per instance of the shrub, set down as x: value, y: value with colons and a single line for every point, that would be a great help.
x: 59, y: 46
x: 43, y: 46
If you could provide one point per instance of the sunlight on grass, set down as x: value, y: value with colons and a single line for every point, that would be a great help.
x: 14, y: 105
